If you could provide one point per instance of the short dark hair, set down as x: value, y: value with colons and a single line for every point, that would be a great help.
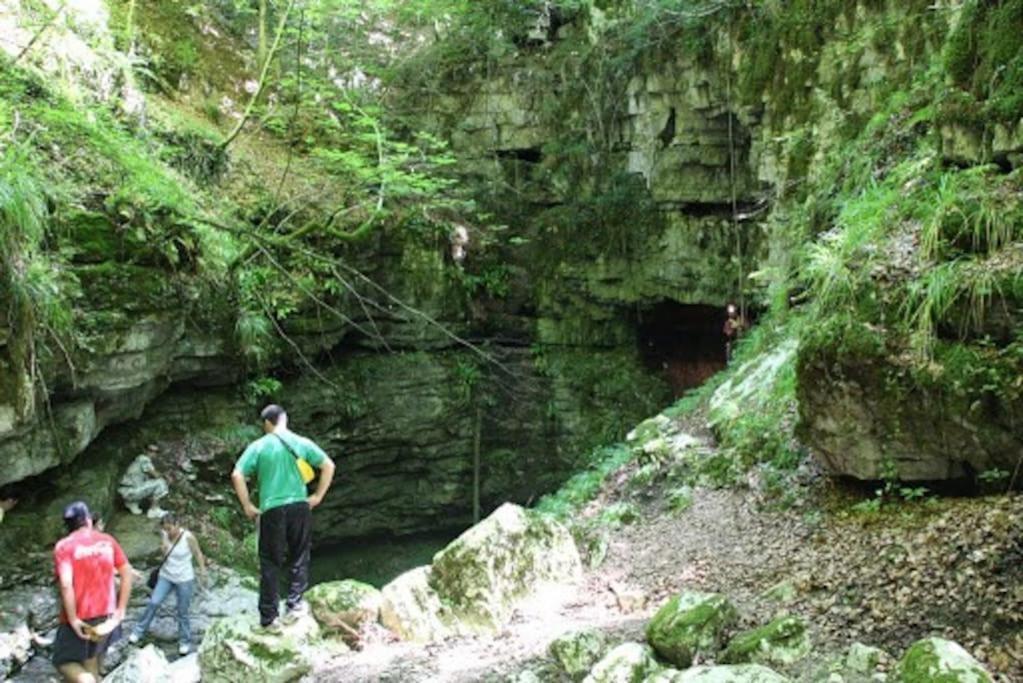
x: 168, y: 518
x: 76, y: 515
x: 272, y: 413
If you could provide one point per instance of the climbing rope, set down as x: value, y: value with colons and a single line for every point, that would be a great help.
x: 731, y: 173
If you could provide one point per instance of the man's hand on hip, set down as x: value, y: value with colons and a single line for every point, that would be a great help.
x: 314, y: 500
x: 251, y: 511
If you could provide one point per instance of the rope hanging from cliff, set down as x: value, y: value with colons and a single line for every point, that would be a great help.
x: 731, y: 173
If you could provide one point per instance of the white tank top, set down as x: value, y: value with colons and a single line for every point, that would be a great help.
x: 178, y: 567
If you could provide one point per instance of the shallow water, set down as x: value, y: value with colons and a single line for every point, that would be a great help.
x: 376, y: 561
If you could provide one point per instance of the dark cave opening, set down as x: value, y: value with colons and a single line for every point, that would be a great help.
x: 683, y: 341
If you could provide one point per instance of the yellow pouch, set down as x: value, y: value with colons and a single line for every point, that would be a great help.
x: 305, y: 470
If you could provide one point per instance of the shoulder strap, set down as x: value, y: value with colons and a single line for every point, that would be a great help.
x: 171, y: 549
x: 286, y: 445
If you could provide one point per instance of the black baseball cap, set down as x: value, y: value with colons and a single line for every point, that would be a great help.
x: 76, y: 515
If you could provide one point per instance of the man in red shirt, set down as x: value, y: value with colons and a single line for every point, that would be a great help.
x: 91, y: 614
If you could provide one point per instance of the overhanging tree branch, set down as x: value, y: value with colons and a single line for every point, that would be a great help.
x: 274, y: 49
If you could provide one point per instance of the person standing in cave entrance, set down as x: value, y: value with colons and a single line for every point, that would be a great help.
x: 91, y: 611
x: 285, y: 509
x: 733, y: 329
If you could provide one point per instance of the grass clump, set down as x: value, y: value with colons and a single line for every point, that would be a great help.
x: 584, y: 486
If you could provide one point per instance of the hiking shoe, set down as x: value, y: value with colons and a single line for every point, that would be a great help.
x: 184, y: 649
x: 272, y: 629
x: 133, y: 638
x: 295, y: 613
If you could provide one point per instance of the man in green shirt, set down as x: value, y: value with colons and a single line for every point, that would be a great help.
x: 285, y: 509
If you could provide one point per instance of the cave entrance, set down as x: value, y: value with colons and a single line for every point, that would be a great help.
x: 683, y: 341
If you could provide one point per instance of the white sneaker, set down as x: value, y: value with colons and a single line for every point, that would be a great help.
x: 133, y: 638
x: 184, y: 649
x: 295, y: 613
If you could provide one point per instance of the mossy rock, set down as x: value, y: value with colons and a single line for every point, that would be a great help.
x: 344, y: 605
x: 936, y: 660
x: 576, y: 653
x: 689, y: 624
x: 627, y: 663
x: 233, y: 649
x: 782, y: 642
x: 485, y: 571
x: 741, y: 673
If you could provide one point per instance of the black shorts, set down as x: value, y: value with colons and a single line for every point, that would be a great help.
x: 68, y: 648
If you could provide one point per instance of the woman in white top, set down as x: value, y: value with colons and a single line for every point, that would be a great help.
x: 178, y: 575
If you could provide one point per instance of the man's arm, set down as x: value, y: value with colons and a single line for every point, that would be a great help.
x: 67, y: 597
x: 327, y: 468
x: 124, y: 593
x: 241, y: 489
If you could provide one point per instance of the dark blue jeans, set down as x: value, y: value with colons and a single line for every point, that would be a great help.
x: 184, y: 592
x: 285, y: 536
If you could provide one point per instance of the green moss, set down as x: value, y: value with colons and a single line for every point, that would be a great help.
x: 782, y: 641
x: 689, y: 624
x: 984, y: 57
x: 923, y: 663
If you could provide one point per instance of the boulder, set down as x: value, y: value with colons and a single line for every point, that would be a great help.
x: 741, y: 673
x: 412, y: 609
x: 234, y: 649
x: 483, y: 573
x: 344, y: 605
x: 937, y: 659
x: 781, y: 642
x: 23, y: 610
x: 15, y: 649
x: 146, y: 665
x: 576, y: 653
x: 689, y: 624
x: 627, y: 663
x: 229, y: 594
x: 864, y: 659
x: 185, y: 669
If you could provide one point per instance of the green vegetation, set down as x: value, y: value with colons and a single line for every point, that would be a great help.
x: 585, y: 485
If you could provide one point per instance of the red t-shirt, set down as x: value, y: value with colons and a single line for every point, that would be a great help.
x: 92, y: 557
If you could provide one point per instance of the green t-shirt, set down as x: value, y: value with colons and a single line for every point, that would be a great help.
x: 276, y: 470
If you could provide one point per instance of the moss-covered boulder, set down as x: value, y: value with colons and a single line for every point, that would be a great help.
x: 235, y: 649
x: 781, y: 642
x: 484, y: 572
x: 627, y: 663
x: 688, y: 624
x: 935, y: 660
x: 741, y: 673
x: 412, y: 609
x: 576, y: 653
x: 344, y: 605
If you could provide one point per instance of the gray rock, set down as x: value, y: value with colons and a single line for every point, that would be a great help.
x: 145, y: 665
x: 234, y: 649
x: 627, y: 663
x: 508, y: 556
x: 344, y: 606
x: 741, y: 673
x: 864, y: 659
x: 576, y: 653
